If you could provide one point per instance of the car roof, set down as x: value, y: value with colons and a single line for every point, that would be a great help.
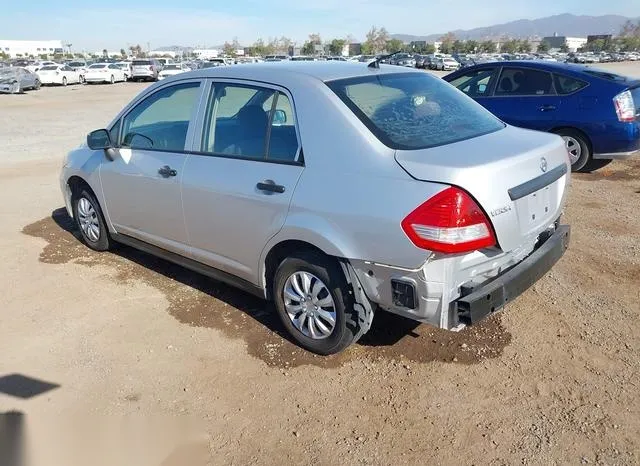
x: 320, y: 70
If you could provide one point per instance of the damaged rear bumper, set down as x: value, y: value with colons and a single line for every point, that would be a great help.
x: 481, y: 301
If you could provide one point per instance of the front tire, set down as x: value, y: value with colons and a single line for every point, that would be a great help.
x: 315, y: 303
x: 89, y: 219
x: 578, y: 147
x: 112, y: 80
x: 37, y: 85
x: 64, y: 80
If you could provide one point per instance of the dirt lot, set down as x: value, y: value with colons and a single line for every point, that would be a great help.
x: 554, y: 379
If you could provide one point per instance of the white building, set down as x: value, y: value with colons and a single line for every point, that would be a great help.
x: 205, y: 54
x: 27, y: 48
x: 572, y: 43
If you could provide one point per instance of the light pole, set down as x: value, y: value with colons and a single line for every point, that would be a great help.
x: 69, y: 49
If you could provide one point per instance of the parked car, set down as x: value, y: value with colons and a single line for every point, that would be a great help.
x: 80, y: 67
x: 104, y: 73
x: 126, y: 67
x: 15, y: 80
x: 596, y: 112
x: 33, y: 67
x: 58, y: 74
x: 403, y: 59
x: 218, y: 153
x: 446, y: 64
x: 173, y: 69
x: 145, y: 70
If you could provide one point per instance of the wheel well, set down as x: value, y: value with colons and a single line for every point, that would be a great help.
x: 278, y: 253
x: 76, y: 184
x: 586, y: 138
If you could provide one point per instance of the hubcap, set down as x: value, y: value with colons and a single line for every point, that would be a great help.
x: 88, y: 219
x: 573, y: 146
x: 309, y: 305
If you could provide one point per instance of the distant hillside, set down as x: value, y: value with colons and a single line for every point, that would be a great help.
x: 565, y: 25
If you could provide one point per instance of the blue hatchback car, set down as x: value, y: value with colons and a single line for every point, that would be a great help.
x: 595, y: 111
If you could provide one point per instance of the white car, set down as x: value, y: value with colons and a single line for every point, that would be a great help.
x: 126, y: 67
x: 39, y: 64
x: 58, y: 74
x: 104, y: 73
x: 172, y: 69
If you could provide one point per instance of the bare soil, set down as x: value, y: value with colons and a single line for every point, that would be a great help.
x: 552, y: 379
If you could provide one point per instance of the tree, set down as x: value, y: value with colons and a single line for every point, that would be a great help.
x: 564, y: 48
x: 123, y: 53
x: 446, y: 45
x: 394, y: 45
x: 43, y: 56
x: 228, y: 49
x: 510, y: 46
x: 525, y: 46
x: 488, y: 46
x: 376, y: 41
x: 543, y: 47
x: 4, y: 56
x: 336, y: 46
x: 105, y: 53
x: 284, y: 44
x: 470, y: 46
x: 307, y: 48
x: 429, y: 49
x: 630, y: 29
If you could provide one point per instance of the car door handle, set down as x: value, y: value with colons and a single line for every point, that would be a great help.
x: 270, y: 186
x: 167, y: 171
x: 547, y: 108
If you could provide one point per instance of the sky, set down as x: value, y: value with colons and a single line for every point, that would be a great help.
x: 119, y: 23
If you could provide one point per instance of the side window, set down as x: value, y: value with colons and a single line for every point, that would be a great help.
x: 566, y: 85
x: 476, y: 83
x: 161, y: 121
x: 283, y: 140
x: 236, y: 123
x: 522, y: 81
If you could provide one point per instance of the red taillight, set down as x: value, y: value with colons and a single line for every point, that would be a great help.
x: 625, y: 107
x: 449, y: 222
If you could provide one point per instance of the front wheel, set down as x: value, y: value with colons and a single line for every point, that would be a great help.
x: 64, y: 80
x: 315, y: 303
x: 578, y: 148
x: 37, y: 85
x: 90, y: 221
x: 112, y: 80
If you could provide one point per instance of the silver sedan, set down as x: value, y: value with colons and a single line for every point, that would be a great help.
x: 334, y: 189
x: 15, y: 80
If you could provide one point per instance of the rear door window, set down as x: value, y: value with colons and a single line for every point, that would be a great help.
x: 567, y: 85
x: 524, y: 82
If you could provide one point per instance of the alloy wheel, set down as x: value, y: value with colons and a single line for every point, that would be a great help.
x: 309, y: 305
x: 88, y: 220
x: 573, y: 147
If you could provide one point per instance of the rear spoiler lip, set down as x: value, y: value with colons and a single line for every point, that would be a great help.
x: 536, y: 184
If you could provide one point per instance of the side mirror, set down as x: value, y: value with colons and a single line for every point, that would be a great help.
x: 279, y: 117
x: 99, y: 139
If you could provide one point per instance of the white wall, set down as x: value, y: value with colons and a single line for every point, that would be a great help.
x: 31, y: 47
x: 206, y: 53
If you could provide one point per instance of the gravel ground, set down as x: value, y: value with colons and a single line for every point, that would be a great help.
x: 128, y: 340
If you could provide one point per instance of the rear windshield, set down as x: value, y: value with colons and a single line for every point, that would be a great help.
x: 97, y: 66
x: 414, y: 110
x: 48, y: 68
x: 140, y: 62
x: 172, y: 67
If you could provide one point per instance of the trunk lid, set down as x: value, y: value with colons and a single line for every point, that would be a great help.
x: 519, y: 177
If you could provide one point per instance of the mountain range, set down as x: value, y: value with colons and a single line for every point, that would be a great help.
x: 564, y: 25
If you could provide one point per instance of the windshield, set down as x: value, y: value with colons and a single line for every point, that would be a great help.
x: 97, y: 66
x: 8, y: 71
x: 172, y: 67
x: 76, y: 63
x: 414, y: 110
x: 210, y: 64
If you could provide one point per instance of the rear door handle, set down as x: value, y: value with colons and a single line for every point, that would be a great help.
x: 547, y: 108
x: 270, y: 186
x: 167, y: 171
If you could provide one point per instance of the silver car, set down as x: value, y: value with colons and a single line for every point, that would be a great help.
x: 15, y: 80
x: 333, y: 189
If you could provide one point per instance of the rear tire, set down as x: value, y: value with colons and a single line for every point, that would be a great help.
x: 64, y: 80
x: 36, y: 86
x: 329, y: 281
x: 112, y: 80
x: 578, y: 147
x: 89, y: 219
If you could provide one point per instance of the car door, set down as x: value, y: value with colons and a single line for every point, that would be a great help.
x: 525, y: 97
x: 142, y: 184
x: 240, y: 178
